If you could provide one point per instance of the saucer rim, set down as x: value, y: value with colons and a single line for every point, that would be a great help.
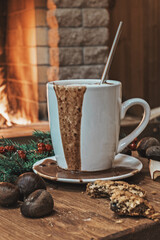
x: 87, y: 180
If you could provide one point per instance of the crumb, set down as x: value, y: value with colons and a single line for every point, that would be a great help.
x: 87, y: 219
x: 49, y: 235
x: 50, y: 224
x: 119, y: 221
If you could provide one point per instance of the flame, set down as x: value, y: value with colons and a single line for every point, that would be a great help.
x: 18, y: 74
x: 3, y: 106
x: 9, y: 116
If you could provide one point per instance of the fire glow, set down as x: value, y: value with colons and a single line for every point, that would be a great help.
x: 3, y: 108
x: 18, y: 71
x: 7, y: 117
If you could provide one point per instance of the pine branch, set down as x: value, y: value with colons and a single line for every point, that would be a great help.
x: 43, y: 136
x: 11, y: 162
x: 6, y: 142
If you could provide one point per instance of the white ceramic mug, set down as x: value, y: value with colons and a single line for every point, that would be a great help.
x: 85, y: 120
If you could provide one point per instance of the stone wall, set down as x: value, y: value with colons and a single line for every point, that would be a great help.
x: 78, y: 38
x: 42, y: 48
x: 47, y: 40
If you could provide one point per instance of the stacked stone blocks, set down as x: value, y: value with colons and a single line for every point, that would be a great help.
x: 78, y: 38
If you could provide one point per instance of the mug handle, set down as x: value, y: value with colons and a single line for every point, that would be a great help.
x: 124, y: 142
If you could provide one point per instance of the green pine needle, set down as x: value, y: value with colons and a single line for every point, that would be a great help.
x: 12, y: 165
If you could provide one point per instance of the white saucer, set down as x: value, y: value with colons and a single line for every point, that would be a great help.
x: 121, y: 160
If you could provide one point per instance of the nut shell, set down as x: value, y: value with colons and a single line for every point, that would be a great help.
x: 28, y: 183
x: 9, y: 194
x: 38, y: 204
x: 153, y: 153
x: 145, y: 143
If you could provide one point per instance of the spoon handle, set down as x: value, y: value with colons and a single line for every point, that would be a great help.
x: 111, y: 53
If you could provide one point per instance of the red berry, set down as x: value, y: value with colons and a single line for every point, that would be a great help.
x: 132, y: 146
x: 40, y: 150
x: 10, y: 148
x: 49, y: 147
x: 41, y: 145
x: 22, y: 154
x: 2, y: 150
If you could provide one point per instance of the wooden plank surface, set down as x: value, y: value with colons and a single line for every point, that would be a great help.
x: 137, y: 58
x: 24, y: 130
x: 77, y: 216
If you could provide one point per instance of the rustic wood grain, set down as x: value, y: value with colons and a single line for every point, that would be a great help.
x: 77, y: 216
x: 137, y: 58
x: 24, y: 130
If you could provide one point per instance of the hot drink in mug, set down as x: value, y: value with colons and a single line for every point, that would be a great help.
x: 85, y: 118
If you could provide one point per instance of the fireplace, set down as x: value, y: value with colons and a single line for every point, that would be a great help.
x: 47, y: 40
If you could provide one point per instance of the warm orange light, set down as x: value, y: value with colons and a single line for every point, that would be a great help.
x: 19, y: 92
x: 3, y: 106
x: 9, y: 117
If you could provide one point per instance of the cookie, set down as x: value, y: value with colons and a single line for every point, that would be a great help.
x: 105, y: 189
x: 125, y: 203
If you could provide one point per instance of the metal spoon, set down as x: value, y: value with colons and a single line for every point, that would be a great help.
x: 111, y: 53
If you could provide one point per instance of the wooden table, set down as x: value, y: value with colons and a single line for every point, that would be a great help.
x: 77, y: 216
